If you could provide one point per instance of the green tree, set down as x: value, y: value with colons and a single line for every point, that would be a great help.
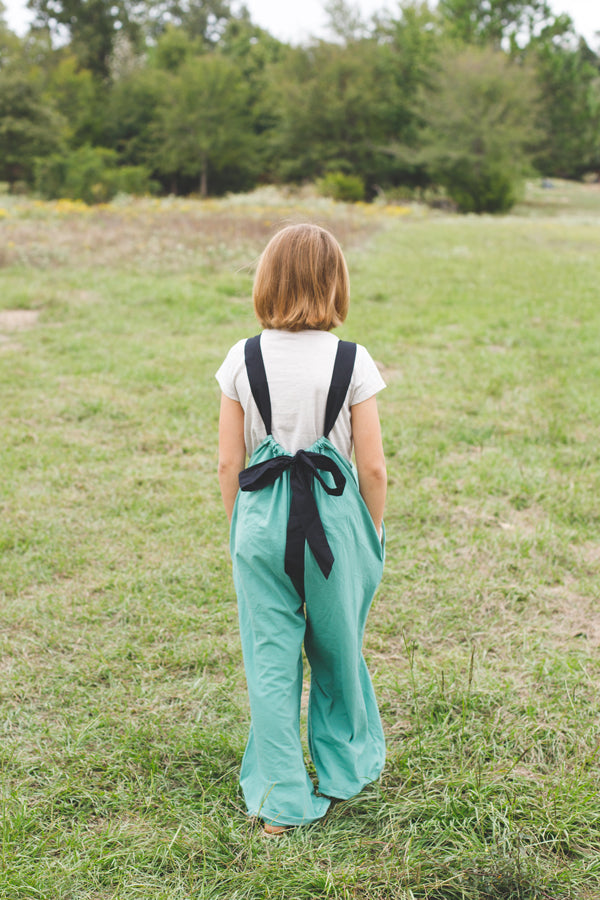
x: 333, y: 108
x: 92, y: 27
x: 73, y: 92
x: 569, y: 80
x: 11, y: 46
x: 131, y: 112
x: 497, y: 21
x: 202, y: 123
x: 478, y: 135
x: 199, y: 19
x: 172, y: 49
x: 254, y: 52
x: 410, y: 46
x: 252, y: 49
x: 28, y: 126
x: 346, y: 22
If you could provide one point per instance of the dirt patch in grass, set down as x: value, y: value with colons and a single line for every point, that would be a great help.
x: 12, y: 320
x: 589, y: 553
x: 17, y: 319
x: 572, y: 614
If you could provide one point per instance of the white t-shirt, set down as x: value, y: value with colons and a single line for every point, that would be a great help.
x: 299, y: 366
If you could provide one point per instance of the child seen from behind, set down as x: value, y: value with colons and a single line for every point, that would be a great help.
x: 306, y: 530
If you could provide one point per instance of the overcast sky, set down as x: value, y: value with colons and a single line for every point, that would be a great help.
x: 296, y: 20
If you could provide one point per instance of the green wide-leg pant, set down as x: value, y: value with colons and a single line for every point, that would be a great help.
x: 344, y: 728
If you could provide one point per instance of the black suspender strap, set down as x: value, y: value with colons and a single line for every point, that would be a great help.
x: 340, y: 382
x: 257, y: 377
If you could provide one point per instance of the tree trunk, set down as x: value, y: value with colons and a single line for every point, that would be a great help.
x: 204, y: 178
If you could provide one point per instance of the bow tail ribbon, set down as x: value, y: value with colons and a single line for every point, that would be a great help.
x: 305, y: 525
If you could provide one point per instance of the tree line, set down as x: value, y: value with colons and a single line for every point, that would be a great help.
x: 191, y: 96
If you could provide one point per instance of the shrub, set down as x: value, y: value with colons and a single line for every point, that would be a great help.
x: 490, y: 187
x: 342, y: 187
x: 91, y: 174
x: 132, y: 180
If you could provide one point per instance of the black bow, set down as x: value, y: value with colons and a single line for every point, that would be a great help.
x: 304, y: 521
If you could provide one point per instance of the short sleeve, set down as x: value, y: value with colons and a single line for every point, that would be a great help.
x: 366, y: 378
x: 230, y: 369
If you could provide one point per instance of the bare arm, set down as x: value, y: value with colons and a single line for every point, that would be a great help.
x: 232, y: 450
x: 370, y: 461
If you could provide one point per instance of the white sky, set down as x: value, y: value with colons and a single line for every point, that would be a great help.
x: 296, y: 20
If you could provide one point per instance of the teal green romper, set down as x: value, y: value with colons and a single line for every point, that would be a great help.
x: 302, y: 532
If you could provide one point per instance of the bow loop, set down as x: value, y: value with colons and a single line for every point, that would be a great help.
x: 316, y: 461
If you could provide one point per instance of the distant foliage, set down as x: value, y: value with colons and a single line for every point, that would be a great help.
x: 339, y: 186
x: 569, y: 113
x: 477, y: 133
x: 461, y: 97
x: 488, y: 187
x: 91, y: 174
x: 496, y: 23
x: 28, y: 127
x: 202, y: 121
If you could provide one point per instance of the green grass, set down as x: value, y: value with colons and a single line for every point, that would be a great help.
x: 124, y: 713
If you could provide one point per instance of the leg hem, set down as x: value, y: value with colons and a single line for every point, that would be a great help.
x: 332, y: 794
x: 291, y: 821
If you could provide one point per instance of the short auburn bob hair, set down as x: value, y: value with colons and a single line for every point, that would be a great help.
x: 302, y: 281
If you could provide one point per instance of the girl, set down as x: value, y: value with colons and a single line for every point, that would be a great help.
x: 306, y: 538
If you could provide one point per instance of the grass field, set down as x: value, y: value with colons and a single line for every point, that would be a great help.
x: 123, y: 707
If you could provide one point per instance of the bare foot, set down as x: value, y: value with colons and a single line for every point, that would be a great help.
x: 275, y: 829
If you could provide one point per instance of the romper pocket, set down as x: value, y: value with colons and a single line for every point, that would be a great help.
x: 377, y: 543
